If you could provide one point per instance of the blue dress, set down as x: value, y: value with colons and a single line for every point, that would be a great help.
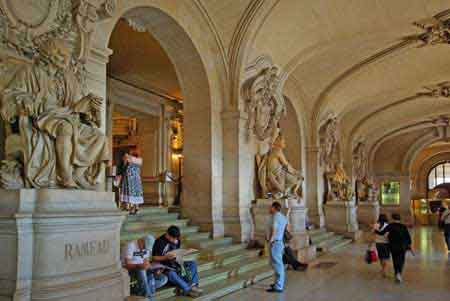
x: 131, y: 187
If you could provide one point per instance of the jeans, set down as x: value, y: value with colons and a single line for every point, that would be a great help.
x: 184, y: 284
x: 276, y: 260
x: 148, y: 282
x: 447, y: 235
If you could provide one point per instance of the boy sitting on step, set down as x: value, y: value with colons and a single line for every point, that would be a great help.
x: 137, y: 261
x: 184, y: 275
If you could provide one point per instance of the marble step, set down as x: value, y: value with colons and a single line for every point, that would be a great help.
x: 318, y: 238
x: 188, y: 235
x: 316, y: 232
x: 152, y: 217
x: 208, y: 243
x: 156, y: 224
x: 212, y: 276
x: 219, y: 289
x: 340, y: 245
x: 326, y: 245
x: 152, y: 210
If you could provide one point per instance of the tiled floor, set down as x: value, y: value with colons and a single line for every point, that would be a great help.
x: 426, y: 277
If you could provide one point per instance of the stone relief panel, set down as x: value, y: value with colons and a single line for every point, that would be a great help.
x: 264, y: 101
x: 337, y: 183
x: 52, y: 125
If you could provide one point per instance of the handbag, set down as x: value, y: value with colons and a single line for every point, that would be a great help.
x: 287, y: 236
x: 371, y: 255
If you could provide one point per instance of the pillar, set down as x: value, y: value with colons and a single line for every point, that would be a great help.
x: 314, y: 193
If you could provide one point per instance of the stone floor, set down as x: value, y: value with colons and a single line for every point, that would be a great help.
x: 426, y: 277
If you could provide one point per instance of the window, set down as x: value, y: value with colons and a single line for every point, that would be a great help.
x: 438, y: 175
x: 390, y: 193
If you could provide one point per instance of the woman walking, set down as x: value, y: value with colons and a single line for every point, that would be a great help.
x: 131, y: 193
x: 399, y: 243
x: 382, y: 243
x: 445, y: 222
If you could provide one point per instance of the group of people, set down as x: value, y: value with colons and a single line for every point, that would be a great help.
x: 392, y: 239
x: 153, y: 264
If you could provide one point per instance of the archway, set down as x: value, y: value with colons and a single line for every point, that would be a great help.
x: 202, y: 97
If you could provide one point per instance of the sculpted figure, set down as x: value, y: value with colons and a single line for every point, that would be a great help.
x: 338, y: 184
x: 265, y: 102
x: 276, y: 175
x: 329, y: 144
x: 58, y: 126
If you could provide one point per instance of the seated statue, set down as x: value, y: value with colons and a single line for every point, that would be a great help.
x: 56, y: 127
x: 276, y: 176
x: 338, y: 184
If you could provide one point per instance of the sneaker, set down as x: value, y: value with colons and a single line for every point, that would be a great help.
x: 197, y: 289
x: 194, y: 293
x: 398, y: 278
x: 274, y: 290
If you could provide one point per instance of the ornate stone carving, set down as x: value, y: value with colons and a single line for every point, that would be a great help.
x: 441, y: 90
x: 329, y: 144
x: 57, y: 126
x: 437, y: 29
x: 52, y: 136
x: 86, y: 15
x: 276, y: 176
x: 264, y: 100
x: 338, y: 185
x: 360, y: 161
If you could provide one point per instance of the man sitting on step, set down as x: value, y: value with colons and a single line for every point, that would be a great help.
x: 136, y: 261
x: 184, y: 276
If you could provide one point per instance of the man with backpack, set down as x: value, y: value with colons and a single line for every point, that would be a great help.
x: 399, y: 242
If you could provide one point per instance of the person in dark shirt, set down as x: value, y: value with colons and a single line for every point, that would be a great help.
x: 399, y: 243
x: 185, y: 277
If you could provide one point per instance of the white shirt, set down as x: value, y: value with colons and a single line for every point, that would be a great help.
x: 134, y: 255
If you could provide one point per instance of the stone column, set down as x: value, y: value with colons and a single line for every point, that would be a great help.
x: 164, y: 152
x: 314, y: 200
x: 60, y: 245
x: 239, y: 174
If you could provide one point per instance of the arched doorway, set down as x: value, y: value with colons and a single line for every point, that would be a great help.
x: 202, y: 99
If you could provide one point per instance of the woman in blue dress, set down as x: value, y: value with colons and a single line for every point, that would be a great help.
x: 131, y: 192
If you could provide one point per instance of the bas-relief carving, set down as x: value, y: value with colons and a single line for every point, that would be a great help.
x: 437, y: 29
x: 276, y: 176
x: 264, y: 100
x: 441, y: 90
x: 337, y: 183
x: 364, y: 185
x: 52, y: 125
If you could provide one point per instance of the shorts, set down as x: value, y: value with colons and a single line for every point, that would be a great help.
x: 383, y: 251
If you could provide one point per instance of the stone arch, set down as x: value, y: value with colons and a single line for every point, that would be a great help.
x: 200, y: 68
x: 422, y: 174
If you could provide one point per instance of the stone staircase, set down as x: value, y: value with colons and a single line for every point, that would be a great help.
x: 224, y: 267
x: 327, y: 242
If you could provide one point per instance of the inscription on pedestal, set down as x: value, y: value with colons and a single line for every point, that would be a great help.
x: 86, y: 249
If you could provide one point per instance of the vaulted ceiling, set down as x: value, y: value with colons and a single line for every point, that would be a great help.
x: 360, y: 59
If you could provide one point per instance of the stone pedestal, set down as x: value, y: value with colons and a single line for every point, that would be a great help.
x: 341, y: 218
x: 60, y: 245
x: 368, y: 213
x: 296, y: 212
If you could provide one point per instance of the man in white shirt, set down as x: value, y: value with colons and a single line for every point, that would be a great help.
x: 137, y: 262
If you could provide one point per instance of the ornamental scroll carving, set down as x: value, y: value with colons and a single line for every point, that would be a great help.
x: 264, y: 101
x: 52, y: 125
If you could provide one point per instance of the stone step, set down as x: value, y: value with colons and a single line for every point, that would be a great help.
x: 152, y: 217
x: 340, y: 245
x: 318, y: 238
x: 208, y: 243
x: 223, y: 250
x: 157, y: 224
x: 187, y: 235
x: 212, y: 276
x: 219, y: 289
x: 315, y: 232
x: 325, y: 245
x: 151, y: 210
